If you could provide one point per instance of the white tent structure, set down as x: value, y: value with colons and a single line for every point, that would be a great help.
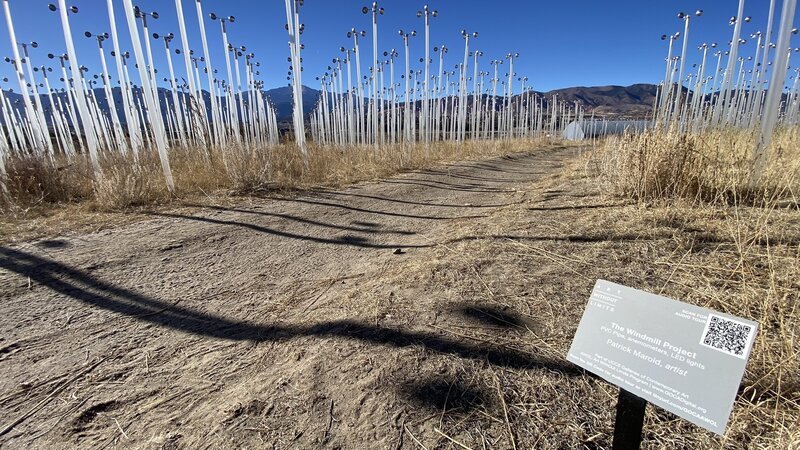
x: 574, y: 132
x: 580, y: 130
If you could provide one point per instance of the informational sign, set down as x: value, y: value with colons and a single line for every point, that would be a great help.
x: 683, y: 358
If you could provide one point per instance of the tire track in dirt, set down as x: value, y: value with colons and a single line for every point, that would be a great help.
x: 202, y: 306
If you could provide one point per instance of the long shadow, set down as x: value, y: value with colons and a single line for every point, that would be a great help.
x: 703, y: 241
x: 52, y: 243
x: 408, y: 202
x: 538, y: 165
x: 493, y: 168
x: 307, y: 221
x: 705, y: 238
x: 355, y: 241
x: 511, y: 165
x: 575, y: 208
x: 561, y: 194
x: 445, y: 186
x: 369, y: 211
x: 505, y: 170
x: 436, y: 394
x: 85, y: 288
x: 708, y: 238
x: 468, y: 186
x: 569, y: 238
x: 523, y: 162
x: 492, y: 316
x: 461, y: 176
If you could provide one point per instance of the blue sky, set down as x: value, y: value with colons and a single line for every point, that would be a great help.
x: 562, y: 44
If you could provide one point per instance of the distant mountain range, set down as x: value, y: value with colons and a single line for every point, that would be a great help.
x: 635, y: 101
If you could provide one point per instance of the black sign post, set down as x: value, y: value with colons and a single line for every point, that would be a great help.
x: 629, y: 421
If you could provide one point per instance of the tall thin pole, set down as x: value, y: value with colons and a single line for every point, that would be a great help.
x: 293, y: 22
x: 194, y: 102
x: 375, y: 11
x: 722, y: 102
x: 80, y: 97
x: 154, y: 114
x: 776, y: 82
x: 215, y: 115
x: 29, y: 111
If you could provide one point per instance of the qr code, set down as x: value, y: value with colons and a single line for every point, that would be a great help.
x: 727, y: 335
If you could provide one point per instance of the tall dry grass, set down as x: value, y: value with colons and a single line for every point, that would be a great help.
x: 713, y: 166
x: 34, y: 180
x: 38, y: 183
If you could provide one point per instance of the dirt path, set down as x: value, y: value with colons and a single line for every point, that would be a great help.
x: 303, y: 322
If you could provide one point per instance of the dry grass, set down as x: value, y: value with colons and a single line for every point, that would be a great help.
x: 34, y: 180
x: 46, y: 197
x: 535, y: 263
x: 714, y: 166
x: 737, y: 250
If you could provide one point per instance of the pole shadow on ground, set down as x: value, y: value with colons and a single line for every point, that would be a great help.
x: 79, y: 285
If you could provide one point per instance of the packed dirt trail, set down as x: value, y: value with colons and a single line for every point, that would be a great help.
x: 269, y: 323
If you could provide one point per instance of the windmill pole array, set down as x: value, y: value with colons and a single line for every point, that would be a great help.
x: 449, y: 106
x: 228, y: 110
x: 90, y: 117
x: 737, y: 101
x: 74, y: 122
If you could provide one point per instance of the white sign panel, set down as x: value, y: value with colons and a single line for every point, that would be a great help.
x: 683, y: 358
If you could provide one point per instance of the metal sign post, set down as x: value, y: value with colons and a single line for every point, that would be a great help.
x: 629, y: 421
